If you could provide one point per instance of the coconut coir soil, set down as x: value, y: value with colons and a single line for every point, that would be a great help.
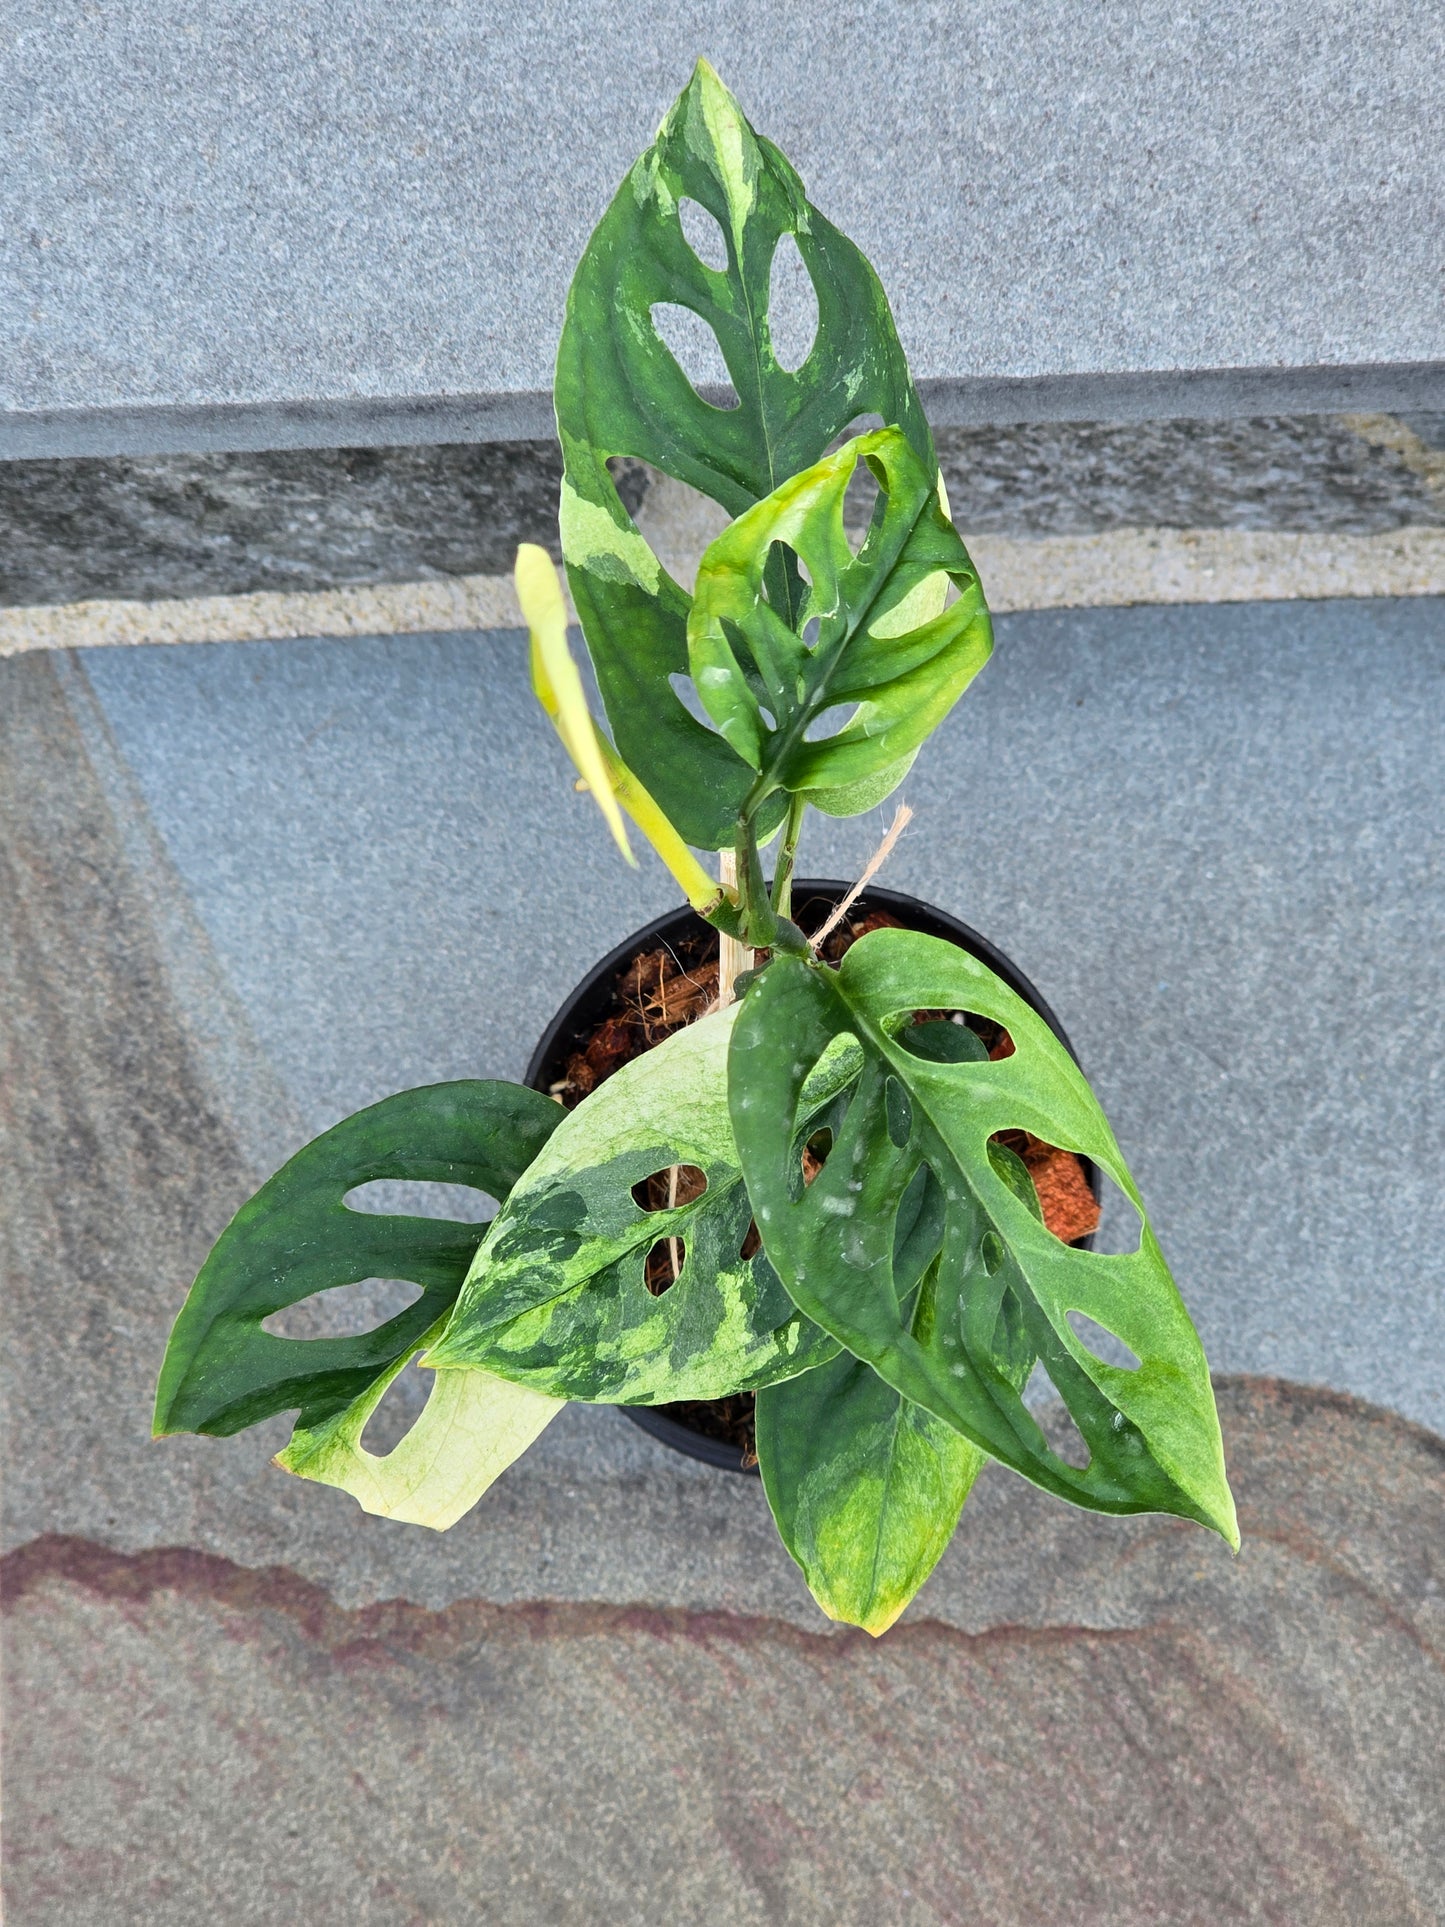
x: 673, y: 985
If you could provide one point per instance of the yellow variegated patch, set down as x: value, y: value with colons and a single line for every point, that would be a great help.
x: 557, y: 1299
x: 557, y: 684
x: 471, y: 1429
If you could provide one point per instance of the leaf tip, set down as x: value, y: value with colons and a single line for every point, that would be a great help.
x: 1229, y: 1532
x: 878, y: 1622
x: 707, y: 80
x: 1218, y: 1513
x: 165, y: 1400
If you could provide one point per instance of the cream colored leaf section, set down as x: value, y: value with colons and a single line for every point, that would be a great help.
x: 558, y: 688
x: 592, y: 539
x: 557, y: 684
x: 472, y: 1428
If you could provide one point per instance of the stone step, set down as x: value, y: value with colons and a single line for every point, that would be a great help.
x: 150, y: 527
x: 352, y: 224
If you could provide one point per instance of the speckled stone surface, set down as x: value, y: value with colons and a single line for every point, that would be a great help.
x: 1132, y: 1729
x: 230, y: 1695
x: 339, y: 205
x: 208, y: 524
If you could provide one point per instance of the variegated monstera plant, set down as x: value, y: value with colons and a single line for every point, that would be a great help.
x: 889, y: 1313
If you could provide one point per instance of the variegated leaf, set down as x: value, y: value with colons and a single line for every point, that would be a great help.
x: 620, y: 392
x: 888, y: 660
x: 1006, y: 1286
x: 558, y: 687
x: 865, y: 1486
x: 298, y: 1236
x: 472, y: 1427
x: 556, y: 1298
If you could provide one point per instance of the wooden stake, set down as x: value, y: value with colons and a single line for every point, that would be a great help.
x: 733, y: 957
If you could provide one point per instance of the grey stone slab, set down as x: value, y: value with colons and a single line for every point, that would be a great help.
x: 207, y: 524
x: 1212, y: 841
x: 184, y: 525
x: 1135, y: 1729
x: 1311, y: 473
x: 1202, y: 394
x: 336, y: 210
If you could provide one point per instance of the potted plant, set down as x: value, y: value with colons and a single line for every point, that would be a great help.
x: 826, y: 1162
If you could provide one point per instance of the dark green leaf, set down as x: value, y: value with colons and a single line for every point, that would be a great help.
x: 944, y: 1042
x: 296, y: 1237
x: 556, y: 1299
x: 620, y: 392
x: 1005, y: 1285
x: 887, y: 651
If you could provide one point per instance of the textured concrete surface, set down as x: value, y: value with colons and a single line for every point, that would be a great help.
x: 1309, y: 473
x: 605, y: 1696
x: 1136, y: 1729
x: 199, y: 525
x: 187, y: 525
x: 1211, y: 836
x: 1222, y: 868
x: 339, y: 206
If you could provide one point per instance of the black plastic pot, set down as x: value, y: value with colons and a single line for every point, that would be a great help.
x: 682, y: 931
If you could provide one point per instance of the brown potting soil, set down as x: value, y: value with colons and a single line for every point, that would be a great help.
x: 673, y: 985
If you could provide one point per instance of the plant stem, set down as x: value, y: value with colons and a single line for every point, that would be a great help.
x: 733, y: 957
x: 759, y: 925
x: 787, y: 852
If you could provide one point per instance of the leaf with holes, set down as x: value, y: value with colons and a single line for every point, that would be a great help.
x: 558, y: 1299
x: 620, y: 392
x: 865, y: 1486
x: 297, y: 1237
x: 886, y: 648
x: 471, y: 1429
x: 1005, y: 1285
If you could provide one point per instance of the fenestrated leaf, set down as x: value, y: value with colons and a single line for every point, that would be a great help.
x: 620, y: 392
x: 1005, y: 1285
x: 556, y: 1298
x: 887, y: 649
x: 865, y: 1486
x: 296, y: 1237
x: 471, y: 1429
